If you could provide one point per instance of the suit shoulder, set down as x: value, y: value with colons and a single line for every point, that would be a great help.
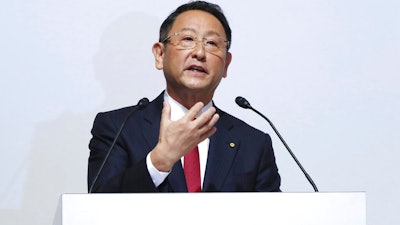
x: 119, y: 111
x: 234, y: 123
x: 115, y: 115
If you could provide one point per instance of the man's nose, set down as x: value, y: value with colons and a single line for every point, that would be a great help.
x: 199, y: 50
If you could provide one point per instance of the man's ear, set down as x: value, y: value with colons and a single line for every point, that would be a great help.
x: 227, y: 62
x: 158, y: 52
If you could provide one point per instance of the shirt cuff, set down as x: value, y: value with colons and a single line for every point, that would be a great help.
x: 157, y: 176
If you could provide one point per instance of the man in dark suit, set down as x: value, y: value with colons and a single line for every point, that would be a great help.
x: 150, y: 154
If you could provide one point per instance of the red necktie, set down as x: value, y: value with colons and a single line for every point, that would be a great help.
x: 192, y: 170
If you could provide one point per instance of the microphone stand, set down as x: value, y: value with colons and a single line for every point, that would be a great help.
x: 242, y: 102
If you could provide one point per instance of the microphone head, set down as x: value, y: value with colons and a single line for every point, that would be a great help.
x: 143, y: 102
x: 242, y: 102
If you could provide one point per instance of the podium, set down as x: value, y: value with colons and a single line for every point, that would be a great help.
x: 213, y: 208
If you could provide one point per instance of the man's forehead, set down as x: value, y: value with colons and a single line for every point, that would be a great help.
x: 198, y: 21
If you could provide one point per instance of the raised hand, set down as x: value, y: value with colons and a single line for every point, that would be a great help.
x: 178, y: 137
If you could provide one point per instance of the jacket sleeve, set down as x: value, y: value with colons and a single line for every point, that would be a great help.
x: 120, y: 173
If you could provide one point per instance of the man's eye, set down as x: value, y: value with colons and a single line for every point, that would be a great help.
x: 187, y: 38
x: 212, y: 43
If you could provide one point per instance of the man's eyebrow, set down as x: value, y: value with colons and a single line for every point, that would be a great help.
x: 188, y: 29
x: 210, y: 32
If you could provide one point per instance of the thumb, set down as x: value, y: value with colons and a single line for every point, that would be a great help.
x: 166, y: 112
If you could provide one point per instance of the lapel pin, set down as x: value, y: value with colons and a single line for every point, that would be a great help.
x: 232, y: 145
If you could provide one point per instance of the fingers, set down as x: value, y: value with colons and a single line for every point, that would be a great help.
x: 209, y: 128
x: 191, y: 128
x: 203, y: 126
x: 207, y: 119
x: 194, y: 114
x: 194, y: 111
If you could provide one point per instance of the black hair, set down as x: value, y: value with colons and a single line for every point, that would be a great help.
x: 211, y: 8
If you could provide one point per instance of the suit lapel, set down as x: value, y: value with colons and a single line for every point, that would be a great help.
x: 152, y: 118
x: 221, y: 154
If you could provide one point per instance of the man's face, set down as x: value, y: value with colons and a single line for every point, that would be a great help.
x: 199, y: 69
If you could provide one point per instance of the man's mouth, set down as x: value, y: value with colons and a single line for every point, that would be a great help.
x: 196, y: 68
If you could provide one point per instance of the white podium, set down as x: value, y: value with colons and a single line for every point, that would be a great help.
x: 213, y: 208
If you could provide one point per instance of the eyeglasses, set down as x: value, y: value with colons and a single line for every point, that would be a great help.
x: 189, y: 40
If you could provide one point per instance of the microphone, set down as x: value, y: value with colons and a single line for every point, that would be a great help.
x: 141, y: 104
x: 242, y: 102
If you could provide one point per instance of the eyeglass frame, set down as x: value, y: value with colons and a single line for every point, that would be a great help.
x: 165, y: 40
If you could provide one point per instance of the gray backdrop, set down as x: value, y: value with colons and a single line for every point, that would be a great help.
x: 325, y: 72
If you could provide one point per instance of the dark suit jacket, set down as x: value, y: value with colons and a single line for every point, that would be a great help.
x: 240, y: 157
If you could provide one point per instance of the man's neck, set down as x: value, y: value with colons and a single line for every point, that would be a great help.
x: 189, y: 99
